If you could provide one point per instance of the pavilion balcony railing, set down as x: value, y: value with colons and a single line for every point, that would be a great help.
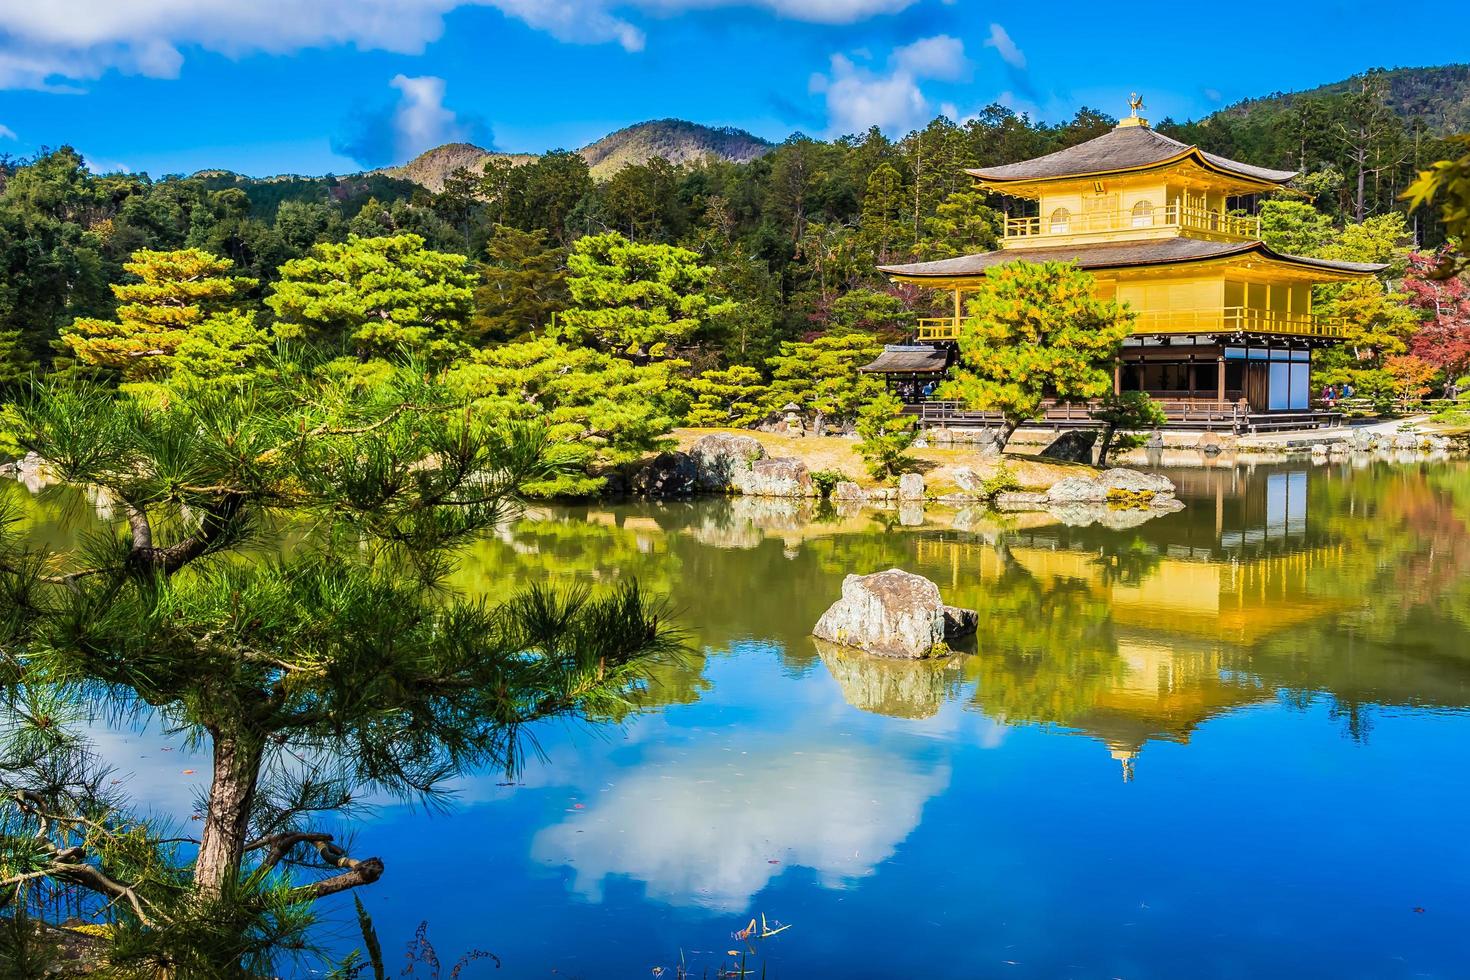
x: 1167, y: 216
x: 1229, y: 319
x: 1239, y: 319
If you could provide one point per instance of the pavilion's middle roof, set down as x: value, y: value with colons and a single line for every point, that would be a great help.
x: 1116, y: 255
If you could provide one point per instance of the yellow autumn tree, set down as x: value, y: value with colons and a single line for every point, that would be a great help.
x: 181, y: 314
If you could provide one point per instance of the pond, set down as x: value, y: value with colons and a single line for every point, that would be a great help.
x: 1231, y: 741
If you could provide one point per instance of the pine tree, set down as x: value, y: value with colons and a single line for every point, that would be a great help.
x: 637, y: 301
x: 887, y: 433
x: 822, y: 376
x: 962, y: 224
x: 729, y: 397
x: 182, y: 299
x: 376, y: 297
x: 1032, y: 330
x: 522, y: 286
x: 883, y: 227
x: 606, y: 411
x: 343, y: 664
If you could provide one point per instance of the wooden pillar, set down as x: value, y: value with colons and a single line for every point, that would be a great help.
x: 957, y: 313
x: 1220, y: 378
x: 1117, y: 377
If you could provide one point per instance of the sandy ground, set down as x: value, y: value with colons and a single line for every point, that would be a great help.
x: 937, y: 465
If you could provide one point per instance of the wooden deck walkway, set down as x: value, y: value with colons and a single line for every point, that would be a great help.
x: 1182, y: 414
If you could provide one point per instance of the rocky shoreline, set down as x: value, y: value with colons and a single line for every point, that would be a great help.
x: 737, y: 465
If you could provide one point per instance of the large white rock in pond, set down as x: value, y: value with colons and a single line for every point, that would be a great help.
x: 893, y: 613
x: 1077, y: 490
x: 911, y: 487
x: 1145, y: 487
x: 723, y: 460
x: 1137, y: 482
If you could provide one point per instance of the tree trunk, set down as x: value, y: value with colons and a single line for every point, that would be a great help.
x: 1107, y: 443
x: 1008, y: 428
x: 1360, y: 204
x: 227, y: 819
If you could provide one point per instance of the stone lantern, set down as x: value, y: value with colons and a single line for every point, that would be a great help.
x: 794, y: 425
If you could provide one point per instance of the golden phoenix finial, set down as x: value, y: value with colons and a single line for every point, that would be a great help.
x: 1135, y: 102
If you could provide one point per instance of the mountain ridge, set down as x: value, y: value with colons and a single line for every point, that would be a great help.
x: 676, y: 140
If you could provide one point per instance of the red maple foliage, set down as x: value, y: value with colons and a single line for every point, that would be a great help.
x: 1444, y: 339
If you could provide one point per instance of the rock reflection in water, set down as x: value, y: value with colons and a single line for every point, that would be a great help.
x: 893, y: 686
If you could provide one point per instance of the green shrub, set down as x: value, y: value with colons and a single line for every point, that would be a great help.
x: 887, y: 434
x: 1003, y: 481
x: 826, y: 480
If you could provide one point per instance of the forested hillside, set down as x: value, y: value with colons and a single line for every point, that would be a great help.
x: 1440, y: 96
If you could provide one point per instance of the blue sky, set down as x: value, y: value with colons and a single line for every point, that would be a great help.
x: 315, y: 86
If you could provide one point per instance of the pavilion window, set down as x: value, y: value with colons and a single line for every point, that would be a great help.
x: 1143, y: 214
x: 1061, y: 221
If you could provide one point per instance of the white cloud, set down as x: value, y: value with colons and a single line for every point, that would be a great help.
x: 697, y: 830
x: 811, y: 11
x: 421, y: 120
x: 6, y: 133
x: 858, y: 97
x: 941, y: 57
x: 1005, y: 47
x: 50, y: 44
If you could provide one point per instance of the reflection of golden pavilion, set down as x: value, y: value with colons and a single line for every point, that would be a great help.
x: 1163, y: 692
x: 1179, y: 625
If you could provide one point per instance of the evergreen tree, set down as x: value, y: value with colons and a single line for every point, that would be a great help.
x: 884, y: 229
x: 637, y: 301
x: 822, y: 376
x: 1130, y: 410
x: 887, y: 432
x: 183, y: 308
x: 729, y: 397
x: 1034, y: 330
x: 962, y: 224
x: 607, y: 411
x: 522, y: 285
x: 375, y: 297
x: 342, y: 665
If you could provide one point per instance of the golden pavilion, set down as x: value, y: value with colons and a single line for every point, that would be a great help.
x: 1225, y: 327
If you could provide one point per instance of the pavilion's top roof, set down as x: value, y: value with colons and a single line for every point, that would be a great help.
x: 1128, y: 147
x: 1114, y: 255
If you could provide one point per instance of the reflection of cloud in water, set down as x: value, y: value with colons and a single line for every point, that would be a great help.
x: 702, y: 829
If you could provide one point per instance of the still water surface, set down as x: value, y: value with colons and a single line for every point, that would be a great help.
x: 1230, y: 742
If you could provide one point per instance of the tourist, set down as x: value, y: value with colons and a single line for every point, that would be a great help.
x: 1328, y: 396
x: 928, y: 389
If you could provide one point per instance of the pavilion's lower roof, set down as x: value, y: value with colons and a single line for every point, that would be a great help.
x: 909, y: 359
x: 1118, y: 255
